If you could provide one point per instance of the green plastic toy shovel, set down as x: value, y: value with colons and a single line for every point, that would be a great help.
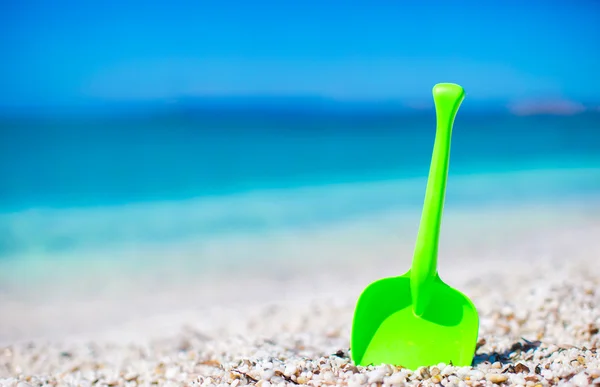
x: 416, y: 319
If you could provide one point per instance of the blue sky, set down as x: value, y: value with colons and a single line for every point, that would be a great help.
x: 68, y: 52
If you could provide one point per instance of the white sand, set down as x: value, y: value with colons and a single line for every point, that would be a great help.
x: 533, y: 273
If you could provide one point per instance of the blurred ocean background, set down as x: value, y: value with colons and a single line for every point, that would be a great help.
x: 76, y: 185
x: 131, y: 126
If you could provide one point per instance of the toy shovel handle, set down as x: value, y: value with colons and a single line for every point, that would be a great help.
x: 447, y: 98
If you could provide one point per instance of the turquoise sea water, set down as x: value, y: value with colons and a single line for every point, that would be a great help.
x: 100, y: 184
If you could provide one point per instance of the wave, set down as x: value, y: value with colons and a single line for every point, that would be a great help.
x: 42, y: 231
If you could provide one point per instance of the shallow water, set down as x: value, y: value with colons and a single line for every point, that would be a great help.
x: 86, y: 186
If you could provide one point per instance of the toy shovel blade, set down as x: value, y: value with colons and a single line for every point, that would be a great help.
x: 386, y: 329
x: 416, y: 319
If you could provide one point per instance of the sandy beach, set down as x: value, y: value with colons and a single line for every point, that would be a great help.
x: 281, y: 315
x: 198, y: 193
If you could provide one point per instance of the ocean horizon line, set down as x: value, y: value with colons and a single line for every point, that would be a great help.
x: 267, y: 105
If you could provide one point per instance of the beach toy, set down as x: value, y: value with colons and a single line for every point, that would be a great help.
x: 416, y: 319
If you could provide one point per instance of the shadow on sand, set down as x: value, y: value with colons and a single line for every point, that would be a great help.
x: 504, y: 357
